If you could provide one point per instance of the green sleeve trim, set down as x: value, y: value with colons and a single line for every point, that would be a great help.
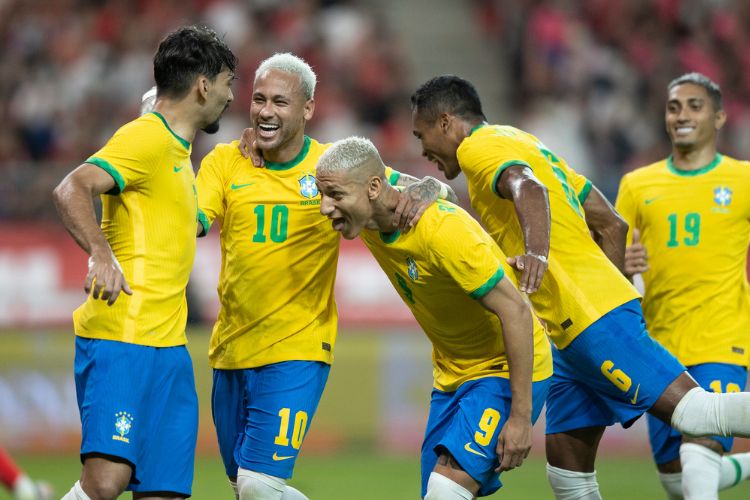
x: 203, y: 221
x: 107, y: 167
x: 489, y: 285
x: 585, y: 191
x: 394, y: 177
x: 182, y: 141
x: 502, y: 168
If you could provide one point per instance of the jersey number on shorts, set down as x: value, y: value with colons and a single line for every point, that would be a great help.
x: 279, y: 223
x: 487, y: 426
x: 731, y: 387
x: 692, y: 228
x: 616, y: 376
x: 570, y: 193
x: 298, y: 434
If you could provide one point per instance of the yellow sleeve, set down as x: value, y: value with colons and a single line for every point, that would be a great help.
x: 210, y: 184
x: 491, y: 155
x: 129, y: 156
x: 580, y: 184
x: 626, y: 206
x: 459, y: 249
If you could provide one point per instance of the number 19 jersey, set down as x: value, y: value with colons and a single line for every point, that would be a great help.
x: 695, y: 226
x: 581, y: 285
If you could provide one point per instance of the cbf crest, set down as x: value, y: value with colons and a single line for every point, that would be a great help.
x: 123, y: 424
x: 411, y: 269
x: 722, y: 196
x: 307, y: 187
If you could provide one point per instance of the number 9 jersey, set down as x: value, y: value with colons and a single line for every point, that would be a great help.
x: 581, y: 285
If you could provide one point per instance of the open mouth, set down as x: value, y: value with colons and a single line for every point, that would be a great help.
x: 338, y: 223
x: 683, y: 130
x: 267, y: 130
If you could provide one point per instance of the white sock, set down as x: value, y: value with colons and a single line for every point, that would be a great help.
x: 571, y: 485
x: 734, y: 468
x: 76, y: 493
x: 672, y: 484
x: 291, y: 493
x: 703, y: 413
x: 258, y: 486
x: 233, y: 484
x: 440, y: 487
x: 700, y: 472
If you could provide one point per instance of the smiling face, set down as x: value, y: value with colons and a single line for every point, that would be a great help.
x: 439, y: 142
x: 345, y: 200
x: 691, y: 120
x: 279, y: 111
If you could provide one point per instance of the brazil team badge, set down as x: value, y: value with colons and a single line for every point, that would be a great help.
x: 411, y: 268
x: 123, y: 424
x: 722, y: 196
x: 307, y: 187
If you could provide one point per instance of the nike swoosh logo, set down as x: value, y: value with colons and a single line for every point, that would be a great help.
x: 278, y: 458
x: 240, y: 186
x: 468, y: 448
x: 635, y: 397
x: 649, y: 201
x: 177, y: 169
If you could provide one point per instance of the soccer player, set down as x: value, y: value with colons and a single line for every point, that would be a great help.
x: 134, y: 377
x: 273, y: 342
x: 607, y: 368
x: 491, y: 357
x: 21, y: 486
x: 690, y: 216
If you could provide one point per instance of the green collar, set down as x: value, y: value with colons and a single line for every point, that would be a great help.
x: 477, y: 127
x: 693, y: 173
x: 182, y: 141
x: 390, y: 237
x: 294, y: 161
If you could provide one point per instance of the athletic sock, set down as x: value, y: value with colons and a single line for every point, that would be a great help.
x: 700, y: 472
x: 734, y: 468
x: 570, y: 485
x: 672, y: 484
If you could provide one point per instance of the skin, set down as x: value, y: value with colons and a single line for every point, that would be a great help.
x: 199, y: 109
x: 574, y: 450
x: 440, y: 140
x: 359, y: 199
x: 692, y: 123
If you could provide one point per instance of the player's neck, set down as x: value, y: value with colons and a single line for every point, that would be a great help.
x: 178, y: 118
x: 286, y: 152
x: 384, y: 210
x: 693, y: 159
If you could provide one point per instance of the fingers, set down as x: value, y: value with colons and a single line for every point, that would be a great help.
x: 415, y: 214
x: 105, y: 281
x: 246, y: 141
x: 532, y: 272
x: 636, y: 235
x: 398, y: 214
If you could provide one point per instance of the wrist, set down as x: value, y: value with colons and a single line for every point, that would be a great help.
x: 539, y: 256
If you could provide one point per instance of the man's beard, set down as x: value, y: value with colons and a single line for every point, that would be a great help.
x: 212, y: 127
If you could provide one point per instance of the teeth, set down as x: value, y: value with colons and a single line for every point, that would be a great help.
x: 267, y: 126
x: 685, y: 130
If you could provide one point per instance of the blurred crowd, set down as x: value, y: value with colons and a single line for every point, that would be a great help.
x: 587, y: 75
x: 72, y: 71
x: 597, y: 70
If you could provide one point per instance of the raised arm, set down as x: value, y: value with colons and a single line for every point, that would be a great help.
x: 519, y: 184
x: 73, y: 199
x: 610, y: 231
x: 514, y: 442
x: 417, y: 195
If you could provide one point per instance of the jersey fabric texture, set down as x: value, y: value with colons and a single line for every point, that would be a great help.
x: 581, y: 285
x: 440, y: 269
x: 139, y: 403
x: 467, y: 423
x: 149, y: 220
x: 279, y: 258
x: 613, y: 372
x: 714, y: 377
x: 695, y: 226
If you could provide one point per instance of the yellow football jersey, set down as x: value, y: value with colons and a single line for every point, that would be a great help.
x: 581, y: 284
x: 440, y: 268
x: 695, y: 226
x: 149, y: 220
x: 279, y: 257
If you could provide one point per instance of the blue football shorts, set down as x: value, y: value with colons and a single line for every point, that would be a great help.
x: 714, y: 377
x: 467, y: 423
x: 138, y: 404
x: 612, y: 372
x: 263, y: 414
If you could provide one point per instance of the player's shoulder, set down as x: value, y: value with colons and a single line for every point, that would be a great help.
x: 646, y: 172
x: 742, y: 166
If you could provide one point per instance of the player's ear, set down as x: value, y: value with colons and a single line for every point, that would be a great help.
x: 444, y: 122
x: 720, y: 117
x: 309, y: 109
x: 374, y: 187
x: 203, y: 86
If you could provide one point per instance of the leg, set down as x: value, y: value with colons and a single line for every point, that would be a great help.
x: 574, y: 450
x: 448, y: 481
x: 228, y: 409
x: 101, y: 479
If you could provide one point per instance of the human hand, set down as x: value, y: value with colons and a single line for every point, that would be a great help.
x: 249, y: 149
x: 413, y: 201
x: 514, y: 443
x: 636, y: 257
x: 532, y: 269
x: 105, y: 278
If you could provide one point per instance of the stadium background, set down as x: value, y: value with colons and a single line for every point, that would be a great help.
x: 587, y: 77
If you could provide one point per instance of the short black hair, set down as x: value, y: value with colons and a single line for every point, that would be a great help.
x: 447, y: 94
x: 713, y: 89
x: 186, y: 53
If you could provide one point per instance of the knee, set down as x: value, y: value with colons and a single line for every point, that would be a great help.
x: 570, y: 485
x: 102, y: 488
x: 253, y: 485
